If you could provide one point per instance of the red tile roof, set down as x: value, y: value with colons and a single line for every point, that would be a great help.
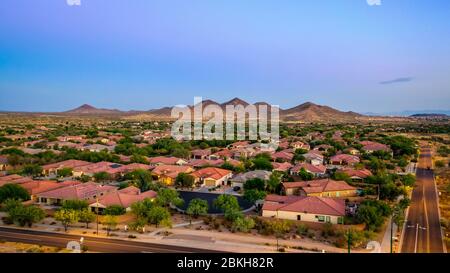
x: 171, y: 170
x: 321, y: 185
x: 72, y: 163
x: 164, y: 160
x: 318, y: 169
x: 124, y: 198
x: 211, y: 172
x: 356, y: 173
x: 305, y: 204
x: 344, y: 158
x: 84, y: 191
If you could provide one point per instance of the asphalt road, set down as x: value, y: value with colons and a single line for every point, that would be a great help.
x: 103, y: 245
x: 423, y: 230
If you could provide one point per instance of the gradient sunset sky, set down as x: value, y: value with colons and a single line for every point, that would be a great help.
x: 145, y: 54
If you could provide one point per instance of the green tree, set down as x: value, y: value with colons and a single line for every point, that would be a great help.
x: 197, y: 207
x: 66, y: 217
x: 304, y: 175
x: 274, y: 183
x: 102, y: 176
x: 408, y: 180
x: 137, y: 158
x: 114, y: 210
x: 254, y: 195
x: 184, y: 180
x: 255, y: 184
x: 75, y: 205
x: 13, y: 191
x: 65, y: 172
x: 167, y: 197
x: 111, y: 222
x: 231, y: 214
x: 158, y: 215
x: 262, y: 163
x: 243, y: 224
x: 32, y: 170
x: 373, y: 213
x: 25, y: 216
x: 226, y: 202
x: 86, y: 216
x: 142, y: 208
x: 340, y: 176
x: 140, y: 178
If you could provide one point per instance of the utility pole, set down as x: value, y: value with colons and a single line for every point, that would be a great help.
x: 349, y: 240
x: 392, y: 231
x: 96, y: 209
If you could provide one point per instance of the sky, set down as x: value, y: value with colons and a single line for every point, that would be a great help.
x: 146, y: 54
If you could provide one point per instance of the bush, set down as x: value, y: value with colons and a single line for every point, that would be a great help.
x: 302, y: 229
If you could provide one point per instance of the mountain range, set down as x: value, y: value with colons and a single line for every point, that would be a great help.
x: 306, y: 112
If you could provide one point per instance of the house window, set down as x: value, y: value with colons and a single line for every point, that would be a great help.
x: 299, y: 217
x: 320, y: 218
x: 340, y: 220
x: 328, y: 219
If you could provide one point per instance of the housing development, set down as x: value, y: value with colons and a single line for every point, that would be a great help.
x: 243, y: 136
x: 325, y: 187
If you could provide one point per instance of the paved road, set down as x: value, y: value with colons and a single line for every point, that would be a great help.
x: 94, y: 244
x: 423, y: 230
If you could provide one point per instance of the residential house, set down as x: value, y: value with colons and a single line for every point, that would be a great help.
x: 314, y: 157
x: 316, y: 170
x: 168, y: 173
x: 54, y: 167
x: 222, y: 154
x: 14, y: 179
x: 212, y: 177
x: 356, y: 174
x: 124, y: 169
x: 108, y: 167
x: 3, y: 162
x: 240, y: 179
x: 305, y: 208
x: 300, y: 145
x: 167, y: 160
x: 283, y: 156
x: 124, y: 198
x: 344, y: 159
x: 86, y: 191
x: 322, y: 188
x: 281, y: 167
x: 40, y: 186
x: 201, y: 154
x: 201, y: 163
x: 371, y: 146
x: 98, y: 148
